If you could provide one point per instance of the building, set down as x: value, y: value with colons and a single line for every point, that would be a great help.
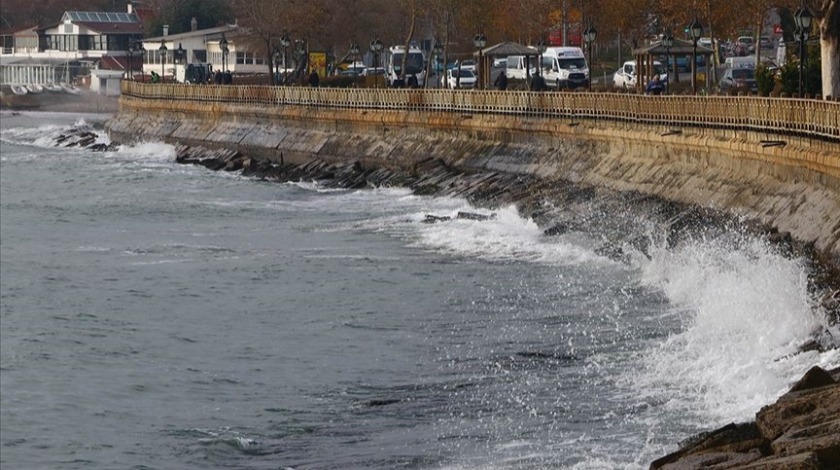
x: 169, y: 54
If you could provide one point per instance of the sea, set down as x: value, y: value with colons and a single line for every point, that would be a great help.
x: 164, y: 316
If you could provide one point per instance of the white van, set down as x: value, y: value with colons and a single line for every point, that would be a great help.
x: 565, y: 67
x: 515, y: 67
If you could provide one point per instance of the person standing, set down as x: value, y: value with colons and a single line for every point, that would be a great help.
x: 501, y: 82
x: 655, y: 87
x: 314, y: 80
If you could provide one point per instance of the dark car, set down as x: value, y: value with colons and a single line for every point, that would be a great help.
x: 741, y: 79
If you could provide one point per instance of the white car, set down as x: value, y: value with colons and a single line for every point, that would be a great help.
x: 460, y: 79
x: 625, y: 77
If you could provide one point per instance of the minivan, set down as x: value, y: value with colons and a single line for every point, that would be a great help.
x: 565, y: 67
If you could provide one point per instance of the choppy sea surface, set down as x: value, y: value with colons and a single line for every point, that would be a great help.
x: 160, y: 316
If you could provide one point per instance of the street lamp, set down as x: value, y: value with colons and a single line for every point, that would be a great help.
x: 541, y: 48
x: 354, y: 51
x: 285, y: 42
x: 223, y: 44
x: 803, y: 25
x: 589, y: 36
x: 180, y: 53
x: 376, y: 47
x: 162, y: 50
x: 696, y: 30
x: 132, y: 48
x: 438, y: 50
x: 479, y: 41
x: 668, y: 42
x: 276, y: 57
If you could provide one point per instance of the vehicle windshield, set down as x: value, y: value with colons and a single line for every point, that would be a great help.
x: 463, y: 73
x: 743, y: 74
x: 660, y: 69
x: 413, y: 65
x: 572, y: 64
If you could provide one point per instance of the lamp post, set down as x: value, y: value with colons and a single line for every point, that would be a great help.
x: 376, y: 47
x: 223, y: 45
x: 180, y: 53
x: 541, y: 48
x: 479, y: 41
x: 354, y: 51
x: 696, y: 31
x: 132, y: 48
x: 162, y: 50
x: 276, y: 57
x: 300, y: 51
x: 438, y: 50
x: 803, y: 25
x: 589, y: 36
x: 668, y: 42
x: 285, y: 42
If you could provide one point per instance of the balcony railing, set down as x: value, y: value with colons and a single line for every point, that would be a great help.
x: 784, y: 116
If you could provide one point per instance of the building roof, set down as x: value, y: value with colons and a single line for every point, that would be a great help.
x: 680, y: 46
x: 509, y: 48
x: 100, y: 17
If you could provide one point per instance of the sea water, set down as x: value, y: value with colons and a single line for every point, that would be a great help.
x: 160, y: 316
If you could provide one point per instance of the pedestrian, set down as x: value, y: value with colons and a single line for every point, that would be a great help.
x: 655, y: 87
x: 218, y: 77
x: 314, y: 80
x: 501, y: 81
x: 538, y: 83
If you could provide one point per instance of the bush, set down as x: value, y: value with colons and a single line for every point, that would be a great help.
x: 765, y: 79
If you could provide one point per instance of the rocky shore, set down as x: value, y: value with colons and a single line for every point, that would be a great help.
x: 801, y: 431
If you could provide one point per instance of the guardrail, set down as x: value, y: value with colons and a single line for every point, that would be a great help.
x: 786, y: 116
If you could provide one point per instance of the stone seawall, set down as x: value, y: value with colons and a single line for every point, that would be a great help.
x: 794, y: 187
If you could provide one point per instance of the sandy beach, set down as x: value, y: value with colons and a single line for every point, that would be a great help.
x: 85, y: 102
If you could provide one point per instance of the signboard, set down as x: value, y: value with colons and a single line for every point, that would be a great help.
x: 318, y: 63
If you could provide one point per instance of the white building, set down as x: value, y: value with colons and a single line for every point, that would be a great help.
x: 199, y: 47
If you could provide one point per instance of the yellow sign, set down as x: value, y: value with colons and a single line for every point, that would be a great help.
x: 318, y: 63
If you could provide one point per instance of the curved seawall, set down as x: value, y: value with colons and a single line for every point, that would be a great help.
x: 791, y: 182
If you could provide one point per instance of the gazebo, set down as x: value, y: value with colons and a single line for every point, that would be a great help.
x: 503, y: 49
x: 645, y: 57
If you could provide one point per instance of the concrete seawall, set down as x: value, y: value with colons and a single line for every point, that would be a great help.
x: 794, y: 187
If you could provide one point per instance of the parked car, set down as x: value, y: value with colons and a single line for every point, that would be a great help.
x: 500, y: 63
x: 765, y: 42
x: 462, y: 78
x: 468, y: 65
x: 625, y: 77
x: 744, y: 46
x: 705, y: 42
x: 739, y: 79
x: 373, y: 71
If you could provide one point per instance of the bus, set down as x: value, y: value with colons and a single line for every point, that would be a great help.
x: 415, y: 66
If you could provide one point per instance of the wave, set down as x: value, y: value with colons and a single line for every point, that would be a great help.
x: 745, y: 311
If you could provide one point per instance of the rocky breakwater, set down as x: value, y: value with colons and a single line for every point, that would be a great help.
x: 801, y: 431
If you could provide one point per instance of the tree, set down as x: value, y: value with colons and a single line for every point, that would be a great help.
x: 828, y: 16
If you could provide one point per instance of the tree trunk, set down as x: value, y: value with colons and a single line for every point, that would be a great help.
x: 830, y: 49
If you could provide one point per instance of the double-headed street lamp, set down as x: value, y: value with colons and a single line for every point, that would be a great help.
x: 668, y: 42
x: 589, y: 35
x: 135, y: 46
x: 162, y: 50
x: 803, y: 25
x: 376, y: 47
x: 479, y: 41
x: 354, y: 51
x: 695, y: 29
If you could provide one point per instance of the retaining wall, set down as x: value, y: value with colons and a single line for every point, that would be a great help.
x: 790, y: 181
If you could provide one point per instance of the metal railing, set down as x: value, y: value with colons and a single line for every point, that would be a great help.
x: 785, y: 116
